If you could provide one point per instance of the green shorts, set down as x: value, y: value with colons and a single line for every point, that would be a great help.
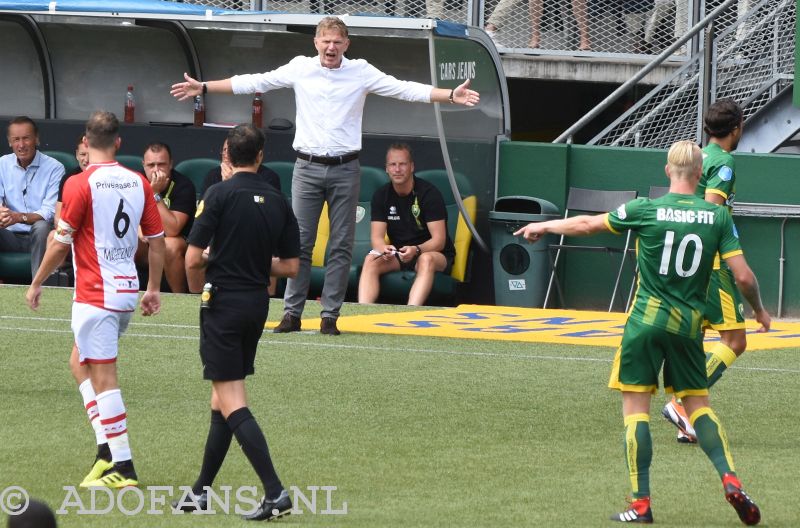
x: 724, y: 308
x: 645, y: 349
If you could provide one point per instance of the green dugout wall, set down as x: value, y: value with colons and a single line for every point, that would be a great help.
x: 547, y: 170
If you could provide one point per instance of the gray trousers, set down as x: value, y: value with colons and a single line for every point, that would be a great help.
x: 314, y: 184
x: 34, y: 242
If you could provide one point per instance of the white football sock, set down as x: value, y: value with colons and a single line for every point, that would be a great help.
x: 90, y: 404
x: 115, y: 424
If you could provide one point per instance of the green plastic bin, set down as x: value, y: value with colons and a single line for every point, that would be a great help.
x: 521, y: 269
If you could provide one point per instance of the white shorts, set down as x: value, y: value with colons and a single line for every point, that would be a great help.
x: 97, y: 332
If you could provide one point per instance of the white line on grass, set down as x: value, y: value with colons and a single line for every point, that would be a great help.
x: 369, y: 348
x: 67, y: 320
x: 450, y: 352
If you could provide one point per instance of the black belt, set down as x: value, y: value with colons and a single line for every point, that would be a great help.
x: 328, y: 160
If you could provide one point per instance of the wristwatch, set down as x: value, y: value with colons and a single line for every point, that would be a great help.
x: 156, y: 197
x: 24, y: 218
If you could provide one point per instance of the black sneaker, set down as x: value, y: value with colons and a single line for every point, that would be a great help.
x: 747, y: 510
x: 328, y: 326
x: 271, y: 509
x: 289, y: 323
x: 191, y: 502
x: 639, y: 512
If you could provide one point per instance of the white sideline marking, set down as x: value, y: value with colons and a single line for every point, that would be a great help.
x: 322, y: 344
x: 67, y: 320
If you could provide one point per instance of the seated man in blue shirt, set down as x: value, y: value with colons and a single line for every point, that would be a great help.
x: 411, y: 212
x: 28, y: 188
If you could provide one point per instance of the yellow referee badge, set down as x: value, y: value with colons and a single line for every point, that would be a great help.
x: 199, y: 209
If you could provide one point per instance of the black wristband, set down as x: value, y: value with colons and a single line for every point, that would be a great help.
x: 205, y: 88
x: 419, y: 251
x: 452, y: 92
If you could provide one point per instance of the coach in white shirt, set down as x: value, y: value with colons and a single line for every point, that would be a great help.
x: 330, y: 91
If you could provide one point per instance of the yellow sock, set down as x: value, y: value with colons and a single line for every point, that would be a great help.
x: 720, y: 358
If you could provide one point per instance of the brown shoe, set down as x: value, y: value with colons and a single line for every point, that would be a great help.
x: 289, y: 323
x: 328, y: 326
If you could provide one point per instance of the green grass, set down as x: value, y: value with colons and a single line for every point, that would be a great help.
x: 412, y: 431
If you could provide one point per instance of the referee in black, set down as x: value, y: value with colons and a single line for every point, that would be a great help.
x: 246, y: 221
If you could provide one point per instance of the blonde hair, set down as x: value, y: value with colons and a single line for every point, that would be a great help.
x: 332, y: 23
x: 685, y: 158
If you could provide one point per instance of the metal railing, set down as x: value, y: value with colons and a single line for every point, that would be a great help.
x: 451, y: 10
x: 602, y: 27
x: 748, y: 59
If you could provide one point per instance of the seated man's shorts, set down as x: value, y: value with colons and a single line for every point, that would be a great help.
x: 411, y: 265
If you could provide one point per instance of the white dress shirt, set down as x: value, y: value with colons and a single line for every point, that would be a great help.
x: 330, y: 102
x: 33, y: 189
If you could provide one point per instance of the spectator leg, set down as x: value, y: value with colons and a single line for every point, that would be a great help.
x: 38, y: 243
x: 579, y: 11
x: 435, y: 9
x: 369, y: 283
x: 659, y: 12
x: 427, y: 266
x: 174, y: 269
x: 535, y: 9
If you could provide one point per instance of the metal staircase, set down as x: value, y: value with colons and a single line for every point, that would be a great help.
x: 747, y: 56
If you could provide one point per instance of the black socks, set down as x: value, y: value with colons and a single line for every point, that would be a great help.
x: 244, y: 426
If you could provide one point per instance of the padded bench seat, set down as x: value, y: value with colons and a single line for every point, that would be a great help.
x: 15, y: 266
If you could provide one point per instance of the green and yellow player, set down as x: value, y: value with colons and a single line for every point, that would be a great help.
x: 724, y: 307
x: 680, y: 235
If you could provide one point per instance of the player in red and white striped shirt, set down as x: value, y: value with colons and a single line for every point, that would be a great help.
x: 102, y: 210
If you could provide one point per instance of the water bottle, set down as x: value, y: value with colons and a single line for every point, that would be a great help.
x: 258, y: 111
x: 199, y: 111
x: 130, y: 105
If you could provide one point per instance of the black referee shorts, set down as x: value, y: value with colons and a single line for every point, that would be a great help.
x: 229, y: 332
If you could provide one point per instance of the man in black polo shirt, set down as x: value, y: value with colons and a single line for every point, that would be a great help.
x: 175, y: 198
x: 224, y: 171
x: 413, y: 214
x: 245, y: 220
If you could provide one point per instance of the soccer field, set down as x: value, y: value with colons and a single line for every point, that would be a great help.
x: 410, y: 431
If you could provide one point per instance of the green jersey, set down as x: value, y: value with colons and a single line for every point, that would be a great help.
x: 719, y: 174
x: 679, y: 235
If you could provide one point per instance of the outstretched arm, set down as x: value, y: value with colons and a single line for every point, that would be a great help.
x: 583, y: 225
x: 461, y: 95
x: 192, y: 87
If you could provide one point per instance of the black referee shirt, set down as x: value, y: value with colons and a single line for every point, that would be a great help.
x: 214, y: 176
x: 248, y: 221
